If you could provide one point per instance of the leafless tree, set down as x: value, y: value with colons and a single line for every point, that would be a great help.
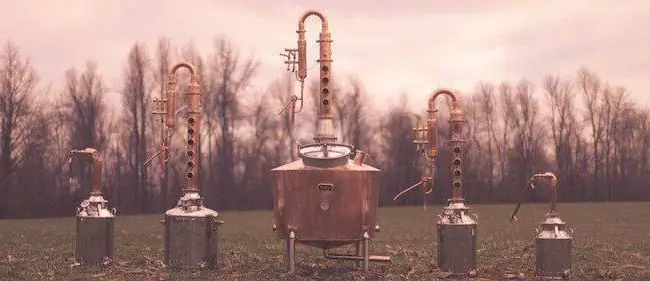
x: 136, y: 99
x: 591, y: 89
x: 17, y: 85
x: 229, y: 76
x: 560, y: 95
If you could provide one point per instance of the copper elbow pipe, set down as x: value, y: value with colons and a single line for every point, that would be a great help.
x: 308, y: 13
x: 553, y: 195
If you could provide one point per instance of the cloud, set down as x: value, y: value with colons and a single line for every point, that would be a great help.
x: 390, y: 47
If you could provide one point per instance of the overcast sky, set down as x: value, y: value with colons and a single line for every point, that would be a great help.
x: 393, y: 46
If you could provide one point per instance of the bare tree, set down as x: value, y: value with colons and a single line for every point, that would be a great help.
x: 136, y: 96
x: 591, y: 90
x: 17, y: 85
x: 229, y: 77
x: 560, y: 98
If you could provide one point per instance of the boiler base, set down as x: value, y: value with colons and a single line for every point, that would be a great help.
x: 457, y: 248
x: 94, y: 241
x: 191, y: 239
x: 553, y: 258
x: 362, y: 252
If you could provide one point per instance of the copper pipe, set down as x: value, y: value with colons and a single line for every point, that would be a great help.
x: 553, y: 195
x: 456, y: 121
x: 96, y: 162
x: 325, y: 123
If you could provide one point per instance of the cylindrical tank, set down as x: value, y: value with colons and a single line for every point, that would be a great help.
x: 326, y: 200
x: 553, y: 249
x: 191, y: 236
x: 94, y: 241
x: 457, y: 239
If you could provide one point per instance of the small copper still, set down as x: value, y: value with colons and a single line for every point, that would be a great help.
x: 553, y: 242
x: 324, y: 199
x: 456, y: 229
x: 94, y: 243
x: 190, y: 228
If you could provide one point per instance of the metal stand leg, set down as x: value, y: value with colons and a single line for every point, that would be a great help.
x: 366, y: 256
x: 291, y: 251
x: 359, y: 251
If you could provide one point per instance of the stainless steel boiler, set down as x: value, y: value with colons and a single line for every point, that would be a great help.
x: 324, y: 199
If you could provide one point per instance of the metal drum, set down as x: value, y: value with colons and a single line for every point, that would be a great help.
x: 191, y: 237
x: 95, y: 229
x: 457, y: 240
x: 553, y: 250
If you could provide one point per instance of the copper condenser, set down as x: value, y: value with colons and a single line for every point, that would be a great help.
x: 553, y: 242
x: 456, y: 229
x: 190, y: 228
x: 94, y: 241
x: 325, y: 199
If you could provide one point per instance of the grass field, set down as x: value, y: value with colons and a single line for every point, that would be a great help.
x: 611, y: 242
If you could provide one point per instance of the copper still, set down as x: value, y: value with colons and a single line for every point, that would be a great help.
x: 95, y: 230
x: 190, y: 228
x: 324, y: 199
x: 456, y: 229
x: 553, y: 242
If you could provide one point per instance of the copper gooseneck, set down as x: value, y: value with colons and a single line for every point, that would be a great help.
x: 552, y: 200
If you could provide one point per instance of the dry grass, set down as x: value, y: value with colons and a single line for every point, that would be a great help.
x: 612, y: 242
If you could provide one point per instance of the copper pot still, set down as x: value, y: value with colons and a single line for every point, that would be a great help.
x: 553, y: 242
x: 325, y: 199
x: 95, y: 220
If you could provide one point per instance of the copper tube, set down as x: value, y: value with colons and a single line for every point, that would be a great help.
x: 553, y: 194
x: 96, y: 162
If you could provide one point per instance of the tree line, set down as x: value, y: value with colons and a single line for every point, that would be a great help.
x: 589, y: 132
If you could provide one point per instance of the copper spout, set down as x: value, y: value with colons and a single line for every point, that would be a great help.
x: 96, y: 161
x: 553, y: 195
x: 359, y: 157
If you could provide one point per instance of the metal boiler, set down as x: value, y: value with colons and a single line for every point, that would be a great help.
x: 324, y: 199
x: 553, y: 242
x: 456, y: 229
x: 190, y: 228
x: 94, y: 241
